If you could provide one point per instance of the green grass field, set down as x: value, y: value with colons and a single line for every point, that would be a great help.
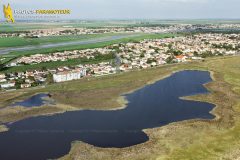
x: 17, y: 41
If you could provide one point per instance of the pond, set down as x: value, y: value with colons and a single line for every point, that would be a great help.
x: 152, y: 106
x: 34, y: 101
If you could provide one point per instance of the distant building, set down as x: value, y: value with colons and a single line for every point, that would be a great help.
x: 69, y: 75
x: 25, y: 85
x: 2, y: 76
x: 3, y: 80
x: 7, y: 85
x: 181, y: 58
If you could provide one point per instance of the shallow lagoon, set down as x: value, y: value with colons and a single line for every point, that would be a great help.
x: 152, y: 106
x: 34, y: 101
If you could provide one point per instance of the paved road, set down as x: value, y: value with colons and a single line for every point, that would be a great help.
x: 52, y: 45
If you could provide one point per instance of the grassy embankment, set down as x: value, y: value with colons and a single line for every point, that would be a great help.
x: 15, y: 55
x: 194, y: 139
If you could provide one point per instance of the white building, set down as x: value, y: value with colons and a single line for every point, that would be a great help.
x: 7, y: 85
x: 26, y: 85
x: 2, y: 76
x: 69, y: 75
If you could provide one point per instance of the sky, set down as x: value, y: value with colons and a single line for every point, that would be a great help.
x: 137, y: 9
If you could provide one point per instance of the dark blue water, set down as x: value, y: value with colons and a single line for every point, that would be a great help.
x: 34, y: 101
x: 153, y: 106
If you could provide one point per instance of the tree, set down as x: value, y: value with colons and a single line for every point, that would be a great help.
x: 49, y: 78
x: 44, y: 68
x: 149, y: 60
x: 18, y: 83
x: 169, y: 59
x: 207, y: 54
x: 170, y: 46
x: 195, y: 53
x: 142, y: 55
x: 2, y: 67
x: 177, y: 52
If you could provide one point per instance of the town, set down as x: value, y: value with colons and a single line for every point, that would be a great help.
x: 70, y: 30
x: 128, y: 56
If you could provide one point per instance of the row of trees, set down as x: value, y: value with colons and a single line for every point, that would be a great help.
x: 226, y: 46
